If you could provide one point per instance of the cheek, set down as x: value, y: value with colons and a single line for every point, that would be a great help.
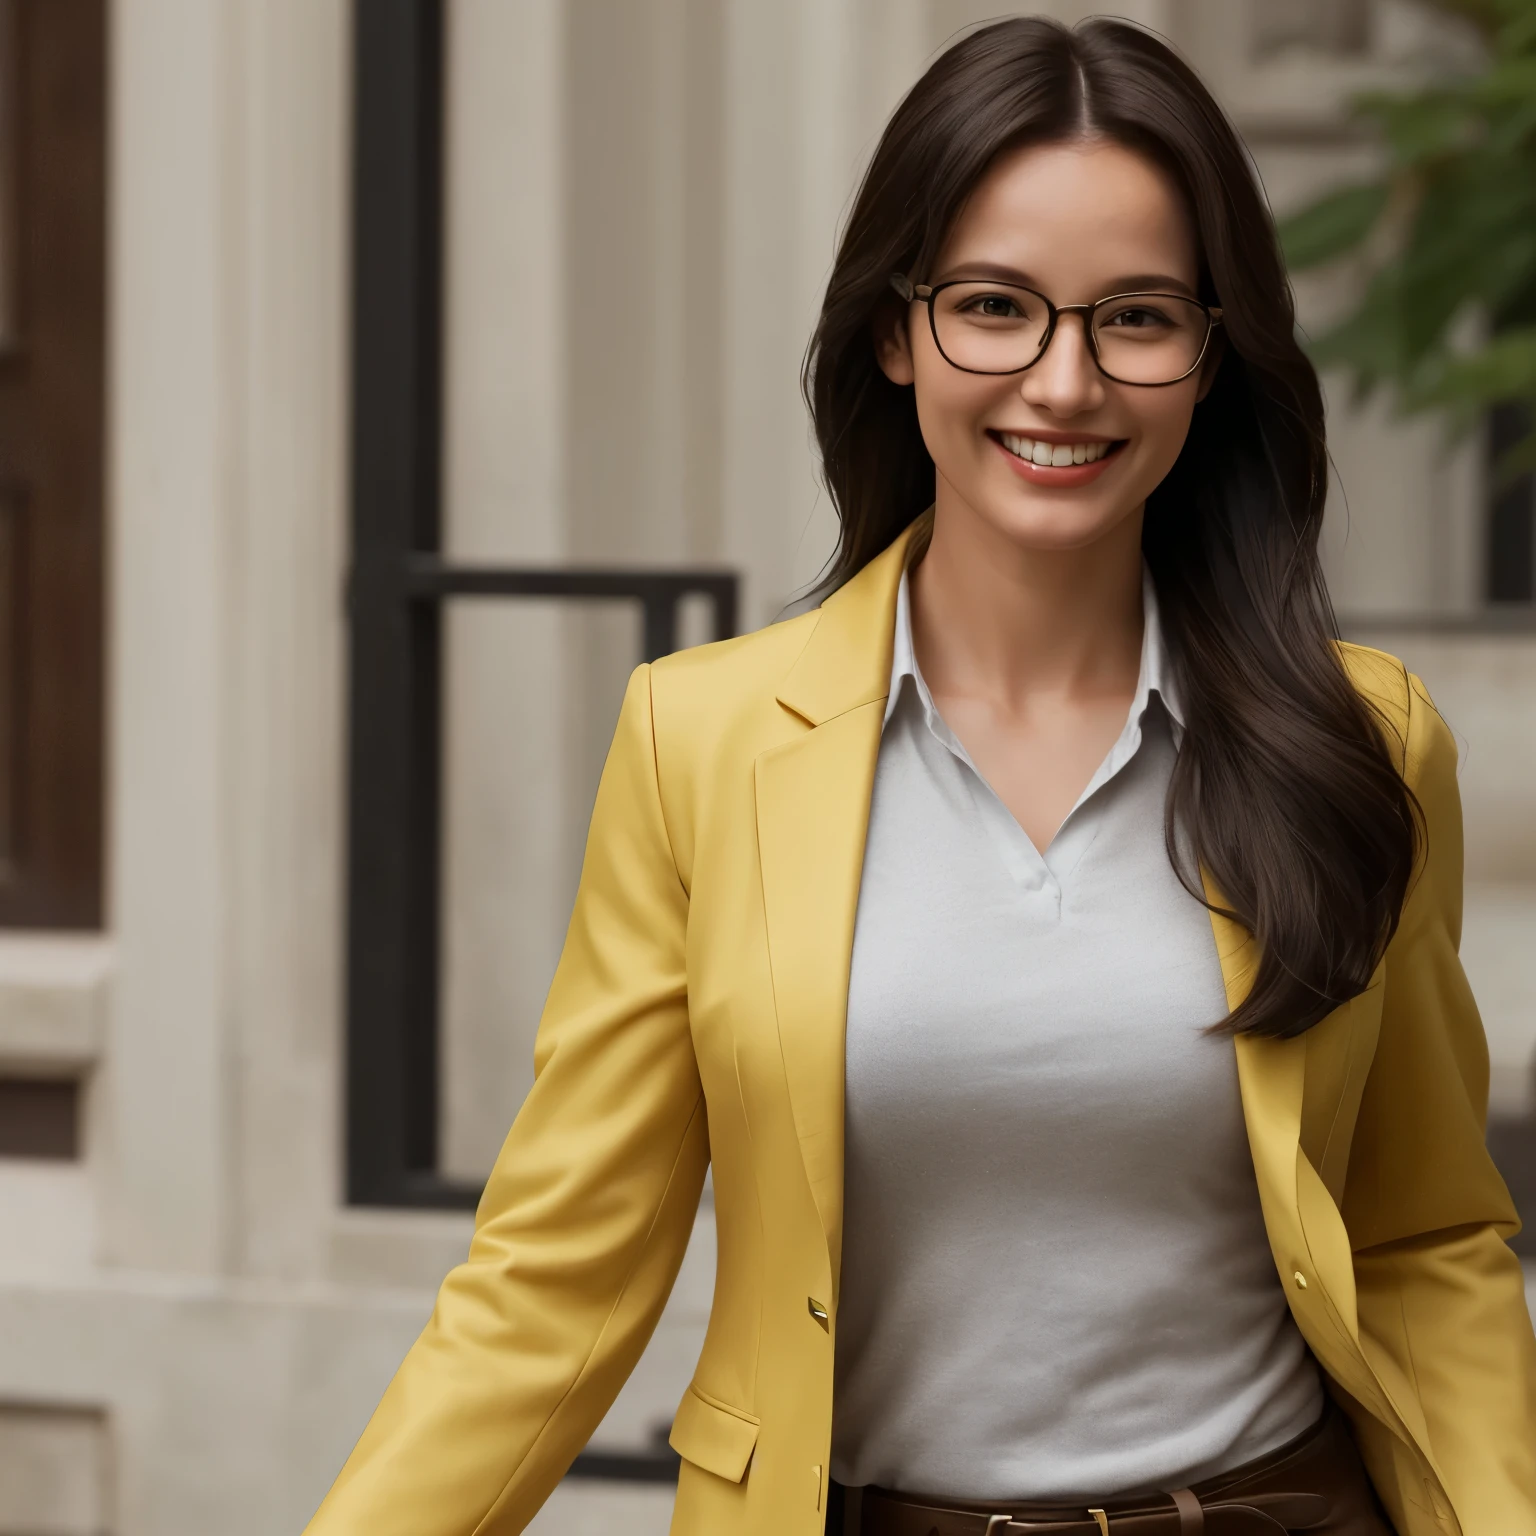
x: 951, y: 405
x: 1163, y: 424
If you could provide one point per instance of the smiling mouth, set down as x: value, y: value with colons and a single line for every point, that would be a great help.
x: 1056, y: 455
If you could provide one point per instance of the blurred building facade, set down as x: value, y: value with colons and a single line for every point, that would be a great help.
x: 640, y: 200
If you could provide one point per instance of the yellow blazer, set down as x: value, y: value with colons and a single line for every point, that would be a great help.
x: 697, y: 1018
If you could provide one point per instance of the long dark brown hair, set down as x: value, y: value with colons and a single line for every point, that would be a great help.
x: 1285, y: 791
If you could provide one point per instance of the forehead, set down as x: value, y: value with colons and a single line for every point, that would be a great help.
x: 1075, y: 216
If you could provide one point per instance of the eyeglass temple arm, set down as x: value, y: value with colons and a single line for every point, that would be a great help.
x: 907, y: 289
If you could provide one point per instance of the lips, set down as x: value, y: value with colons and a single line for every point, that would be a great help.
x: 1058, y: 455
x: 1067, y: 464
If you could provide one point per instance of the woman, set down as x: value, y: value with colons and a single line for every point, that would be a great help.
x: 1050, y: 941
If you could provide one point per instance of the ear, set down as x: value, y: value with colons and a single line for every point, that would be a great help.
x: 1210, y: 365
x: 893, y: 342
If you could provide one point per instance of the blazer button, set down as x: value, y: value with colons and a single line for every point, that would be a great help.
x: 817, y: 1311
x: 1300, y: 1279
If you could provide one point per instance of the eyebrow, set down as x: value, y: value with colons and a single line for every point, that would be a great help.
x: 1136, y: 282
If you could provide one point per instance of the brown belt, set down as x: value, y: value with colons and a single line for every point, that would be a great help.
x: 1315, y: 1484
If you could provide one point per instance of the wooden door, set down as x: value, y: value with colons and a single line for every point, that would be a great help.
x: 52, y: 343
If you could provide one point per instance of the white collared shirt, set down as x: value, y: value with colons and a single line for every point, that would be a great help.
x: 1055, y: 1278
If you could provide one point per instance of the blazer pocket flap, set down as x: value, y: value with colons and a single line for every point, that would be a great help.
x: 712, y: 1436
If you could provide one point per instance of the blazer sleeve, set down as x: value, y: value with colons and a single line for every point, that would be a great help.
x: 1439, y: 1289
x: 583, y: 1225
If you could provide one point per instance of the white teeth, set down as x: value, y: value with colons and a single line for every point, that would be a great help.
x: 1056, y: 455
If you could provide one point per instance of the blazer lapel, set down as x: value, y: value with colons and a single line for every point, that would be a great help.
x: 1282, y: 1083
x: 1299, y: 1094
x: 813, y: 795
x: 1271, y: 1077
x: 812, y: 812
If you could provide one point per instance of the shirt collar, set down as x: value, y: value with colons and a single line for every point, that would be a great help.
x: 1154, y: 676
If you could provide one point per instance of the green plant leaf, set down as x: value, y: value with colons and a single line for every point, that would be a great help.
x: 1504, y: 369
x: 1510, y: 83
x: 1519, y: 30
x: 1459, y: 210
x: 1334, y: 224
x: 1422, y: 126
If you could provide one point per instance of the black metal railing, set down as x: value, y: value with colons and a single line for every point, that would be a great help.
x: 399, y: 584
x: 394, y: 897
x: 659, y: 592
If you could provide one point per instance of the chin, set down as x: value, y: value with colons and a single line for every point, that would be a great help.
x: 1054, y: 528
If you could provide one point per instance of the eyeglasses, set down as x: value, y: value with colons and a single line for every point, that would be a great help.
x: 996, y: 328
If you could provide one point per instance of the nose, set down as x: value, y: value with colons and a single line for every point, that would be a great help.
x: 1066, y: 381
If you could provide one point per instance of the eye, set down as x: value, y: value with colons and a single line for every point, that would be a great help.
x: 992, y: 306
x: 1137, y: 317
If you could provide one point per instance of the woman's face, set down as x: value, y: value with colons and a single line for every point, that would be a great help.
x: 1076, y: 222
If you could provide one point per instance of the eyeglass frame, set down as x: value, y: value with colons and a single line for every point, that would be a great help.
x: 923, y: 292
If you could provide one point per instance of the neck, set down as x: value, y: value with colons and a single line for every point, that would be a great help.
x: 994, y: 618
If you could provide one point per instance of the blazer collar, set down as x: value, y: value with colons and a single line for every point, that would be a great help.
x: 840, y: 669
x: 847, y: 660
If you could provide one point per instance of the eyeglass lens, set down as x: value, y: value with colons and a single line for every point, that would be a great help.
x: 1142, y: 338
